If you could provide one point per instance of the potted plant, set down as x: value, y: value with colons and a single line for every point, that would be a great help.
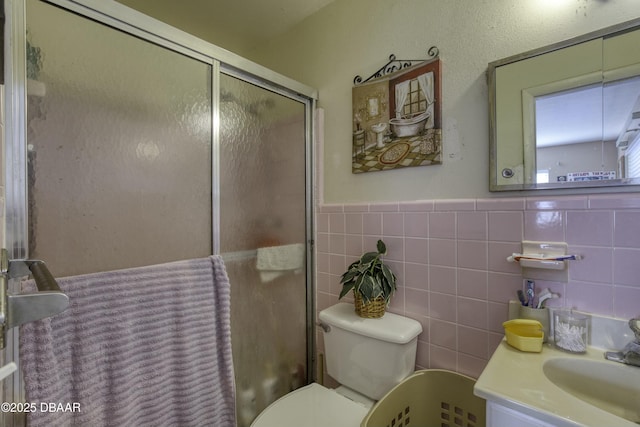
x: 371, y: 281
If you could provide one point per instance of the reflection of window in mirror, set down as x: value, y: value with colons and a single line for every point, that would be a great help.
x: 584, y: 133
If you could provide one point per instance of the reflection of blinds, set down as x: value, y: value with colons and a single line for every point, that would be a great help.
x: 633, y: 159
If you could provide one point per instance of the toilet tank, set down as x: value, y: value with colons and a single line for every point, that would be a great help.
x: 369, y: 356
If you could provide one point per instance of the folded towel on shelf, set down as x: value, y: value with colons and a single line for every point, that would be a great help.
x: 148, y: 346
x: 275, y: 261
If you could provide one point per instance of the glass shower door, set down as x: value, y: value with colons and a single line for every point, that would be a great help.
x: 262, y: 239
x: 118, y: 153
x: 119, y: 147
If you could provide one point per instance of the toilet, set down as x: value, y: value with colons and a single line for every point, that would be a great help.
x: 368, y: 357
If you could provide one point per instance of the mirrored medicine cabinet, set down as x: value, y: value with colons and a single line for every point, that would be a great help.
x: 568, y: 115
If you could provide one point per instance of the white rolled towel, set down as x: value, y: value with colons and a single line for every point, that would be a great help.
x: 274, y: 261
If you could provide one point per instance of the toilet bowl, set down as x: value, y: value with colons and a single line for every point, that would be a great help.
x: 313, y: 406
x: 355, y: 349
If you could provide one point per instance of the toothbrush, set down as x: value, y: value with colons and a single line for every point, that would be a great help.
x: 541, y: 257
x: 530, y: 287
x: 566, y: 258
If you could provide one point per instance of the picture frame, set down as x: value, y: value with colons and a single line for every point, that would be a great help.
x: 397, y: 117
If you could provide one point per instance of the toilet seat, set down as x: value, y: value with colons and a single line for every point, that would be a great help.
x: 312, y: 406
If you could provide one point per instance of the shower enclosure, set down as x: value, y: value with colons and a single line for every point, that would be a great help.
x: 130, y: 143
x: 262, y: 197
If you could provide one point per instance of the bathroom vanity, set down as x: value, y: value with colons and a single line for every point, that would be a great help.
x: 554, y: 388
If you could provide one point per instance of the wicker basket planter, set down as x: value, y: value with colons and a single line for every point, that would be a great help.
x: 371, y: 310
x: 372, y: 282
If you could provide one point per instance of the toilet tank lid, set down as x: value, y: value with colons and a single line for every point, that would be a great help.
x: 390, y: 327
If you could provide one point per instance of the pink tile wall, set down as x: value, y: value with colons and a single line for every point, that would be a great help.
x: 450, y: 259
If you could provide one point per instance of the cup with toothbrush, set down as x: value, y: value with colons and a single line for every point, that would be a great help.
x: 533, y: 307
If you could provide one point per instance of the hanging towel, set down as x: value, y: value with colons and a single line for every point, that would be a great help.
x: 275, y: 261
x: 147, y: 346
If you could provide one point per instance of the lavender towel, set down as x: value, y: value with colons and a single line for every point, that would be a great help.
x: 147, y: 346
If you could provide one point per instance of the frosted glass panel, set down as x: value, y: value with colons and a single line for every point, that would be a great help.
x: 119, y: 134
x: 262, y: 214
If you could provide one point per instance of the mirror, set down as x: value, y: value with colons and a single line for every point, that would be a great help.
x: 568, y: 115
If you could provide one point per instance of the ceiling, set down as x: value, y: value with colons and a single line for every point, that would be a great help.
x: 236, y: 25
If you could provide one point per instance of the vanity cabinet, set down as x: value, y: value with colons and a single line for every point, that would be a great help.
x: 501, y: 416
x: 555, y: 388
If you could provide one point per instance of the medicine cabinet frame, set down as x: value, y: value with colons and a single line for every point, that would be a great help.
x: 513, y: 153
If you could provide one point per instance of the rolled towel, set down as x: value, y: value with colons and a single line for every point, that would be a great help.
x: 275, y: 261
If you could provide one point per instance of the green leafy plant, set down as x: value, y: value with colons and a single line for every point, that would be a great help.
x: 370, y: 277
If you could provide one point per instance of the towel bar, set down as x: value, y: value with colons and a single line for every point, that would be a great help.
x: 22, y: 308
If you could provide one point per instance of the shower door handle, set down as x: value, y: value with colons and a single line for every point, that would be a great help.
x: 18, y: 309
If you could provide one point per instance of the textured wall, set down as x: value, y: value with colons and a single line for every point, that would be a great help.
x: 355, y: 37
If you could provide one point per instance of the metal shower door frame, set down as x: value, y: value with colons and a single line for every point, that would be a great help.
x: 139, y: 25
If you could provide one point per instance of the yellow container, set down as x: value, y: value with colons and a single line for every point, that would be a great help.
x: 524, y: 334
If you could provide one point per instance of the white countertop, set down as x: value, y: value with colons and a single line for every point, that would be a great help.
x: 516, y: 380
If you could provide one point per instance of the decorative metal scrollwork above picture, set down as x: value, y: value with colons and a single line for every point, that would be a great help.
x: 397, y: 120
